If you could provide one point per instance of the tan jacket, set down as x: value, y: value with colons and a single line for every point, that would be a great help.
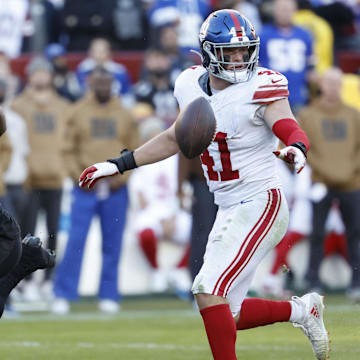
x: 334, y: 135
x: 5, y: 156
x: 97, y: 132
x: 46, y: 125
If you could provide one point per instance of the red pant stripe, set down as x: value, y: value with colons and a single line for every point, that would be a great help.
x: 255, y: 246
x: 233, y: 263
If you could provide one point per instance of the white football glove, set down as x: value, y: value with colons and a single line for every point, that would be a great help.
x: 96, y: 172
x: 292, y: 155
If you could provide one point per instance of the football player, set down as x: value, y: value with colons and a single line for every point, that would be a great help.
x: 18, y: 258
x: 252, y: 113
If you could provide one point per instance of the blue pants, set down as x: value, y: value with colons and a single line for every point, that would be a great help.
x: 112, y: 214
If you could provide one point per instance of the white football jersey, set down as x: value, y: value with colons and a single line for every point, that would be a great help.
x: 240, y: 162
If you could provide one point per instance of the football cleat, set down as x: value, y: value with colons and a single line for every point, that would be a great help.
x: 312, y: 323
x: 35, y: 257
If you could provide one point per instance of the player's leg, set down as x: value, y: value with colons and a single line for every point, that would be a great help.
x: 67, y: 273
x: 179, y: 277
x: 350, y: 211
x: 33, y: 257
x: 10, y: 250
x: 51, y: 201
x: 320, y: 211
x: 18, y: 259
x: 112, y: 213
x: 149, y: 231
x: 232, y: 244
x: 305, y: 312
x: 335, y: 241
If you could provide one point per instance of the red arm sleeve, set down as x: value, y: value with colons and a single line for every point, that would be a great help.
x: 289, y: 132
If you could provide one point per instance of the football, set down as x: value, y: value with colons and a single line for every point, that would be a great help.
x: 195, y: 128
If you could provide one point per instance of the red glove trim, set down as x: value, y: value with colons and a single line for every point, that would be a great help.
x: 289, y: 132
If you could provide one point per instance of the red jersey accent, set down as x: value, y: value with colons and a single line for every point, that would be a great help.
x: 289, y: 132
x: 268, y: 94
x: 272, y: 86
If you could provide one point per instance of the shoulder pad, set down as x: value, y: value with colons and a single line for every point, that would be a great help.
x: 270, y: 86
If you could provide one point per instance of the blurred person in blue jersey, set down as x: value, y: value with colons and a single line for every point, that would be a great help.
x: 288, y: 49
x: 100, y: 55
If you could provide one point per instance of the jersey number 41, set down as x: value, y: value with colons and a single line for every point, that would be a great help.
x: 227, y: 172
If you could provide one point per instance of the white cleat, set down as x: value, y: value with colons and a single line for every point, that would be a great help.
x: 313, y: 324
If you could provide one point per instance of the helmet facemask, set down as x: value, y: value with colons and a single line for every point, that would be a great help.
x: 219, y: 65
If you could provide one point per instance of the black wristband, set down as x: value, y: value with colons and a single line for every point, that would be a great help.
x: 301, y: 147
x: 125, y: 162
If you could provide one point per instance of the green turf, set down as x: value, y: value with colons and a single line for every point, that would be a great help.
x: 164, y: 329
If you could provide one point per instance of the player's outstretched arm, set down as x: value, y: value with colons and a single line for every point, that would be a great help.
x: 279, y: 117
x: 160, y: 147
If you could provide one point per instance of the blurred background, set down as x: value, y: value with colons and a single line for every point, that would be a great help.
x: 81, y: 80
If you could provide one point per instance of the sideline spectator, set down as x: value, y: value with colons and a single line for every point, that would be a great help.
x: 100, y: 55
x: 334, y: 132
x: 99, y: 126
x: 155, y: 88
x: 288, y: 49
x: 65, y: 81
x: 168, y: 36
x: 45, y: 113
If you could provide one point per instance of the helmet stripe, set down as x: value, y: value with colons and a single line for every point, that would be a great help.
x: 236, y: 22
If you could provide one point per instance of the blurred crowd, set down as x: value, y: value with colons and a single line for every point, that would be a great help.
x: 63, y: 116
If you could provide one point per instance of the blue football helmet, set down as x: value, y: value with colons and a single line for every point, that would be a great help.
x: 228, y: 29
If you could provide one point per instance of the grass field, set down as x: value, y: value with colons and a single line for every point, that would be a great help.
x: 164, y: 329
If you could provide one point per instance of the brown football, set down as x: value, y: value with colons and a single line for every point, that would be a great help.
x: 195, y: 128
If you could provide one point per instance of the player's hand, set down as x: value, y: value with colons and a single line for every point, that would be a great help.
x: 292, y: 155
x: 95, y: 172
